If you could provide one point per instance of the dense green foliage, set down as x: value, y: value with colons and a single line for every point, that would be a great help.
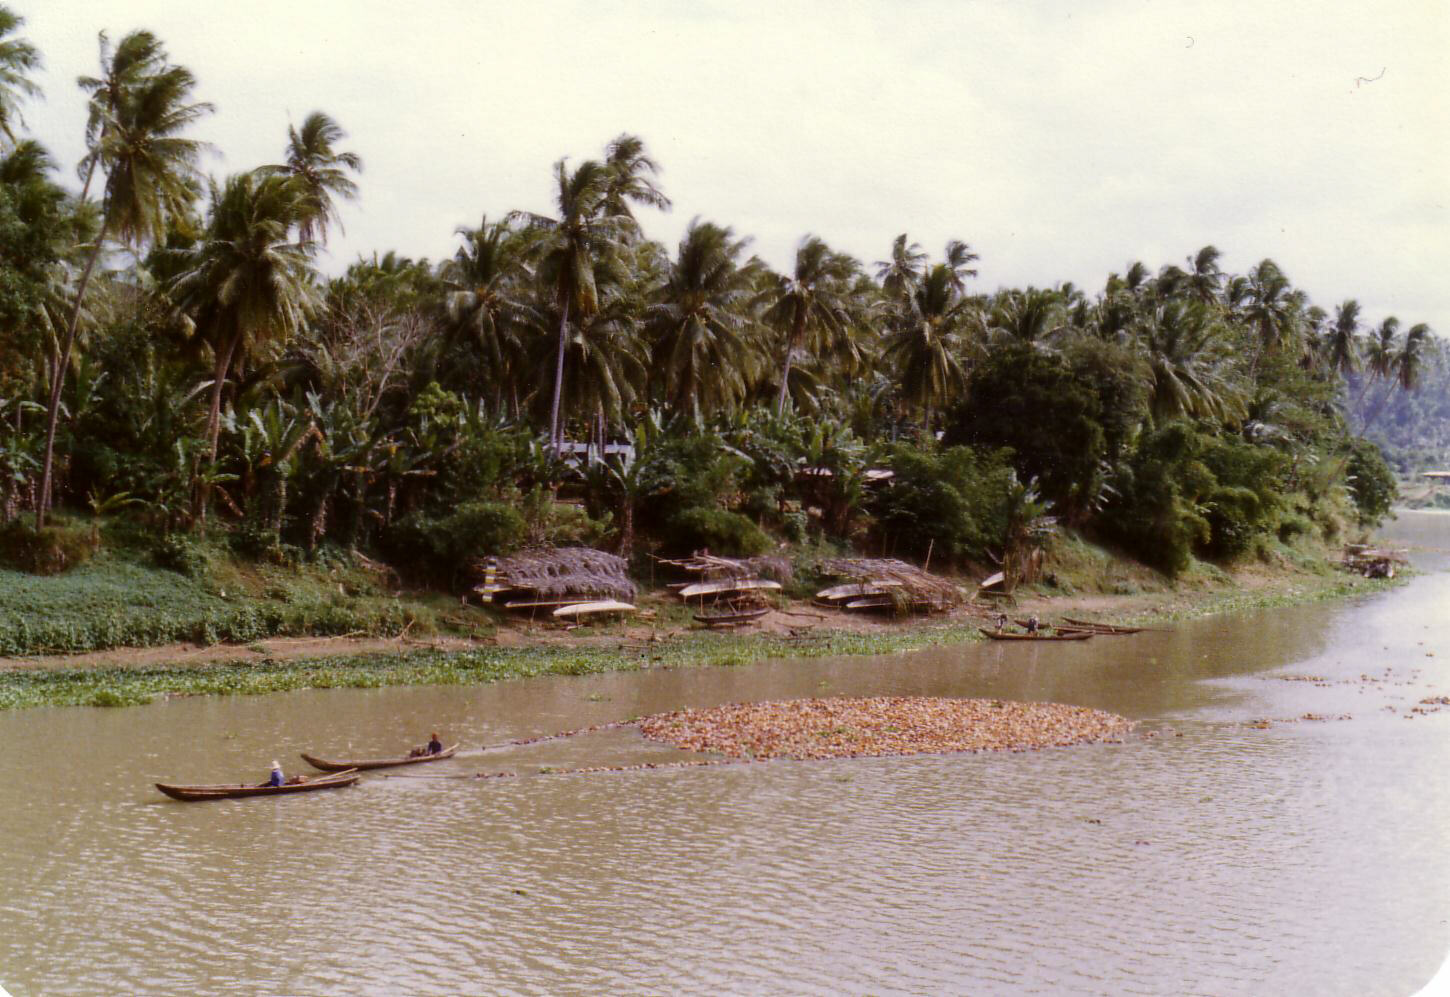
x: 564, y: 379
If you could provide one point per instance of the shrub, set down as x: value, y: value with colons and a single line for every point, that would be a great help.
x: 47, y: 551
x: 719, y: 530
x: 181, y: 554
x: 951, y: 501
x: 437, y: 548
x: 1371, y: 482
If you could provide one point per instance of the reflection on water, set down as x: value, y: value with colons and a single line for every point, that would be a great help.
x: 1304, y: 858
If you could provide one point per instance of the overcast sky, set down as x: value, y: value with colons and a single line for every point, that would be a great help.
x: 1060, y: 139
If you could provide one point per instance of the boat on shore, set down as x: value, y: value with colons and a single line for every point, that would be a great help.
x: 374, y: 763
x: 1004, y: 635
x: 193, y: 793
x: 728, y: 588
x: 732, y: 618
x: 580, y: 610
x: 1103, y: 628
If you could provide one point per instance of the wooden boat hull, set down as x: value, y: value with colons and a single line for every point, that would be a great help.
x: 1000, y: 635
x: 592, y: 608
x: 1102, y: 628
x: 731, y: 619
x: 195, y: 793
x: 728, y: 588
x: 375, y: 763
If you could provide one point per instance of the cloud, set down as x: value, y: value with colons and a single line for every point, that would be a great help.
x: 1061, y: 141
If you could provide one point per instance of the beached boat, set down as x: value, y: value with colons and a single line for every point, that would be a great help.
x: 992, y: 581
x: 727, y: 587
x: 855, y: 590
x: 733, y: 618
x: 581, y: 609
x: 375, y: 763
x: 1103, y: 628
x: 1004, y: 635
x: 191, y: 793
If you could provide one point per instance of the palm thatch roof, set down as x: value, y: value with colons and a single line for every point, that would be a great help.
x: 907, y: 584
x: 558, y: 572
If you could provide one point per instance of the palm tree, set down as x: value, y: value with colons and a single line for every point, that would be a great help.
x: 140, y: 55
x: 816, y: 300
x: 926, y: 341
x: 573, y: 243
x: 1270, y: 308
x: 1032, y: 316
x: 320, y: 171
x: 702, y: 325
x: 591, y: 230
x: 1203, y: 278
x: 959, y: 260
x: 152, y: 179
x: 1341, y: 345
x: 484, y: 280
x: 18, y: 59
x: 1410, y: 359
x: 1189, y: 366
x: 631, y: 179
x: 248, y: 282
x: 900, y: 274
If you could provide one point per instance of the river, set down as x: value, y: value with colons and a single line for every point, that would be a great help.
x: 1215, y: 857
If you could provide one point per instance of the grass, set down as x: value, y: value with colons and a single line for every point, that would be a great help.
x: 23, y: 688
x: 121, y: 599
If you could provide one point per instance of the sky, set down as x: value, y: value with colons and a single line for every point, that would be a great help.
x: 1062, y: 140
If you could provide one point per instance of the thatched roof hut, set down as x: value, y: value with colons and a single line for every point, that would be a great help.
x: 908, y: 586
x: 560, y: 572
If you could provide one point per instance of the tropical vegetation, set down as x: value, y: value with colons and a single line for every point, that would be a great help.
x: 171, y: 355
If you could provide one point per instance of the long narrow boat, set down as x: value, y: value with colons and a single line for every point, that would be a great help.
x: 733, y: 618
x: 190, y: 793
x: 1103, y: 628
x: 1002, y: 635
x: 375, y: 763
x: 582, y: 609
x: 728, y: 587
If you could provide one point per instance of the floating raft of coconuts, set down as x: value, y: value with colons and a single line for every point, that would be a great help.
x: 884, y: 725
x: 887, y: 584
x: 817, y: 729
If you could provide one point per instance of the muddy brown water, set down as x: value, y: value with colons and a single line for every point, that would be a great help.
x: 1308, y: 857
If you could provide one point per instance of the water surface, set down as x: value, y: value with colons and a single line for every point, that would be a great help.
x: 1213, y: 858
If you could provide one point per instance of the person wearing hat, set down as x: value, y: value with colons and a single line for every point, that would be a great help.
x: 276, y: 778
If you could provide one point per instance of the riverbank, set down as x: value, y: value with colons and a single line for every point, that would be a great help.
x: 522, y: 649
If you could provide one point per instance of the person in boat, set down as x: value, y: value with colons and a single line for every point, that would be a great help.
x: 1001, y: 621
x: 1032, y: 624
x: 435, y: 746
x: 276, y: 778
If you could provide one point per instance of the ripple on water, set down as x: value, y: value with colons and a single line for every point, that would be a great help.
x: 1303, y: 858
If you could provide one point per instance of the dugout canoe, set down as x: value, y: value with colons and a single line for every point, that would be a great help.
x: 1103, y: 628
x: 580, y: 609
x: 1002, y: 635
x: 362, y: 764
x: 731, y: 619
x: 193, y: 793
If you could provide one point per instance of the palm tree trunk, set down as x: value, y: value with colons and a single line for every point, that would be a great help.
x: 554, y: 438
x: 52, y: 415
x: 1372, y: 416
x: 213, y: 422
x: 796, y: 332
